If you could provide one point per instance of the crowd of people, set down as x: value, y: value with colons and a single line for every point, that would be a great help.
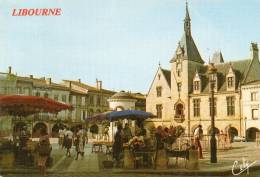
x: 141, y: 139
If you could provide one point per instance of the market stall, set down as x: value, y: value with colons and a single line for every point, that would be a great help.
x: 22, y: 147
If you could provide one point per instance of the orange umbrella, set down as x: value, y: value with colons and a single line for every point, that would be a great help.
x: 19, y: 105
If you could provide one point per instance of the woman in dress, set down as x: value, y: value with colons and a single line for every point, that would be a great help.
x: 79, y: 143
x: 44, y: 151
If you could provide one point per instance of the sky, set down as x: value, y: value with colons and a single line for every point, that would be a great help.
x: 120, y: 42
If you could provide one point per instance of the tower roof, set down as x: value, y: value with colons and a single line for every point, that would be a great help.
x: 217, y: 58
x: 187, y: 48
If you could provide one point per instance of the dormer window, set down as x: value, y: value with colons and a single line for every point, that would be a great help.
x: 231, y: 79
x: 230, y: 82
x: 196, y: 85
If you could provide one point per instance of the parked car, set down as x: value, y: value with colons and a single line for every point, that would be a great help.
x: 239, y: 139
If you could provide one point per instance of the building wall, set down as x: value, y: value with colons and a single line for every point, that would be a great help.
x: 222, y: 120
x: 152, y: 100
x: 248, y: 105
x: 122, y: 103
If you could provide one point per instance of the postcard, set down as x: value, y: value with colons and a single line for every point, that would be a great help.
x: 129, y: 88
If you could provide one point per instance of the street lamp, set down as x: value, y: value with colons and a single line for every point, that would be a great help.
x: 213, y: 145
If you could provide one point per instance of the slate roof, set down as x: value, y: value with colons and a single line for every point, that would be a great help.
x: 189, y: 49
x: 167, y: 75
x: 217, y: 58
x: 243, y: 71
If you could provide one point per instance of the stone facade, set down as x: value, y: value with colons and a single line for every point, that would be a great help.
x: 185, y: 90
x: 86, y: 101
x: 251, y: 111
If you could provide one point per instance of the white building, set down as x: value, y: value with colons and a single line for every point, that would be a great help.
x: 251, y: 111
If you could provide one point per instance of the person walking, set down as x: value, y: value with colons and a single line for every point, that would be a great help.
x: 61, y: 137
x: 79, y: 143
x: 44, y: 151
x: 68, y: 141
x: 198, y: 135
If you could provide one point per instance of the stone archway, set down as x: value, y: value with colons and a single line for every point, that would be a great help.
x: 232, y: 132
x: 37, y: 128
x: 251, y: 133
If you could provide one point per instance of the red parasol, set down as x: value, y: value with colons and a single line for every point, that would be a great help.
x: 19, y: 105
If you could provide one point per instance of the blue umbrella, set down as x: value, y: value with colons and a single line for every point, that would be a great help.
x: 129, y: 114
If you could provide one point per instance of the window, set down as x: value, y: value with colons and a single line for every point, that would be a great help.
x: 83, y: 115
x: 215, y: 106
x: 230, y: 82
x: 179, y: 86
x: 98, y: 100
x: 196, y: 107
x: 37, y: 94
x: 159, y: 76
x: 19, y: 90
x: 178, y: 73
x: 46, y: 95
x: 196, y: 85
x: 230, y: 105
x: 64, y: 98
x: 253, y: 96
x: 159, y: 110
x: 91, y: 100
x: 254, y: 113
x: 56, y: 97
x: 159, y: 91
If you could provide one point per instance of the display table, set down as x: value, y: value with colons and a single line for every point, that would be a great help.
x: 128, y: 158
x: 161, y: 159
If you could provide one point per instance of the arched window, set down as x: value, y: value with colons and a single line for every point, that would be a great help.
x: 179, y: 110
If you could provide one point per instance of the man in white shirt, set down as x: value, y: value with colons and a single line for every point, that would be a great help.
x: 198, y: 134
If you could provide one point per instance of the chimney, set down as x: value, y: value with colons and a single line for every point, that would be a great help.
x: 70, y: 84
x: 99, y: 84
x: 254, y: 51
x: 79, y: 80
x: 48, y: 81
x: 9, y: 70
x: 31, y: 76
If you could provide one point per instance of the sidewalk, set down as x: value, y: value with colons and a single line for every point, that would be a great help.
x: 247, y: 152
x: 92, y: 163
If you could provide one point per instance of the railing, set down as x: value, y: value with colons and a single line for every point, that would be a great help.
x: 223, y: 142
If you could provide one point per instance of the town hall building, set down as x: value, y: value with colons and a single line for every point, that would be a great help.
x: 181, y: 96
